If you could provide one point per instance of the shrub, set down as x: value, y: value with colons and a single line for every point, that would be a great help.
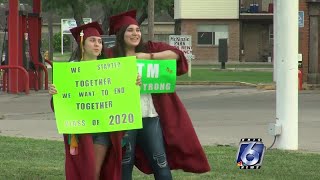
x: 57, y: 42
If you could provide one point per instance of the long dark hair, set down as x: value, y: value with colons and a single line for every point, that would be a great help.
x: 119, y: 48
x: 76, y: 54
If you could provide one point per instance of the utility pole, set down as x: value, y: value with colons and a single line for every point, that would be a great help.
x: 286, y: 46
x: 150, y: 20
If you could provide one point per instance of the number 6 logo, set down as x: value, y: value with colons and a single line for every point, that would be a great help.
x: 250, y: 151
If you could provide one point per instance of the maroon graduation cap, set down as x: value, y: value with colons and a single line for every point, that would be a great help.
x: 120, y: 20
x: 90, y: 29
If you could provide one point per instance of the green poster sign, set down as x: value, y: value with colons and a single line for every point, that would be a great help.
x: 97, y: 96
x: 157, y: 76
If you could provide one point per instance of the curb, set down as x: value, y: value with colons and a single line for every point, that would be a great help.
x: 1, y: 116
x: 311, y: 86
x: 235, y: 83
x: 270, y: 86
x: 243, y: 69
x: 266, y: 86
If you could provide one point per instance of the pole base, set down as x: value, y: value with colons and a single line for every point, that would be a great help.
x: 223, y: 65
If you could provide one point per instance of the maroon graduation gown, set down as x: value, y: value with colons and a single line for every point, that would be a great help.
x: 82, y: 166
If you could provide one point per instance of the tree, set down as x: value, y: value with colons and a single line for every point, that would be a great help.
x: 111, y: 7
x: 51, y: 7
x: 50, y: 30
x: 29, y: 2
x: 78, y: 7
x: 59, y: 7
x: 166, y: 5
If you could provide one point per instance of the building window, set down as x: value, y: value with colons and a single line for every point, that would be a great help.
x: 210, y: 34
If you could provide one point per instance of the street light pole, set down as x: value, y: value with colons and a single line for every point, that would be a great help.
x: 150, y: 20
x: 286, y: 44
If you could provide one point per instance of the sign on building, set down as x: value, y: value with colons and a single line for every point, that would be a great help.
x: 301, y: 19
x: 67, y: 24
x: 184, y: 43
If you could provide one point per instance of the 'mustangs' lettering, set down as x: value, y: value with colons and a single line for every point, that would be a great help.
x: 157, y: 86
x: 153, y: 71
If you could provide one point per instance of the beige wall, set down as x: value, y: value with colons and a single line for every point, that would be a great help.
x: 206, y: 9
x: 162, y: 30
x: 159, y: 28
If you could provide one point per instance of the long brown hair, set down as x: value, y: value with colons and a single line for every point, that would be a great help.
x: 119, y: 48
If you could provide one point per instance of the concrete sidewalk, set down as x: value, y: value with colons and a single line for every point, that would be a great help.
x: 27, y: 116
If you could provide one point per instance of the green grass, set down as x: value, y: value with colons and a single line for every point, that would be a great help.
x: 199, y: 74
x: 254, y: 77
x: 244, y: 65
x: 42, y: 159
x: 205, y: 72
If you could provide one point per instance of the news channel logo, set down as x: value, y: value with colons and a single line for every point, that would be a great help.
x: 250, y: 153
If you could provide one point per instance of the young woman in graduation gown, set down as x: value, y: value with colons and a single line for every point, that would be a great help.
x: 179, y: 140
x: 91, y: 156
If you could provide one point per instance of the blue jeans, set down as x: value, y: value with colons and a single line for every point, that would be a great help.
x: 150, y: 139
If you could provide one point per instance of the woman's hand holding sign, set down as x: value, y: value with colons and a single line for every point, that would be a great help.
x: 52, y: 90
x: 138, y: 82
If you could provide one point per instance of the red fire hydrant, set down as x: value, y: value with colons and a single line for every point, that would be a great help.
x: 299, y: 79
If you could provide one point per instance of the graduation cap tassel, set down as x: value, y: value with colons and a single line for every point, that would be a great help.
x: 81, y: 45
x: 73, y: 142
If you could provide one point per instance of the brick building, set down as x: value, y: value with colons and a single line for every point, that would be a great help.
x: 304, y: 38
x: 310, y: 41
x: 248, y: 25
x: 207, y: 22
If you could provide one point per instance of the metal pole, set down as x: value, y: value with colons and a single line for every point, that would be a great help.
x: 150, y: 20
x: 61, y: 38
x: 276, y: 53
x: 61, y: 42
x: 35, y: 40
x: 37, y: 6
x: 287, y: 74
x: 276, y: 39
x: 13, y: 32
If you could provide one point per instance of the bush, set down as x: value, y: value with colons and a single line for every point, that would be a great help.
x: 57, y: 42
x: 44, y: 42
